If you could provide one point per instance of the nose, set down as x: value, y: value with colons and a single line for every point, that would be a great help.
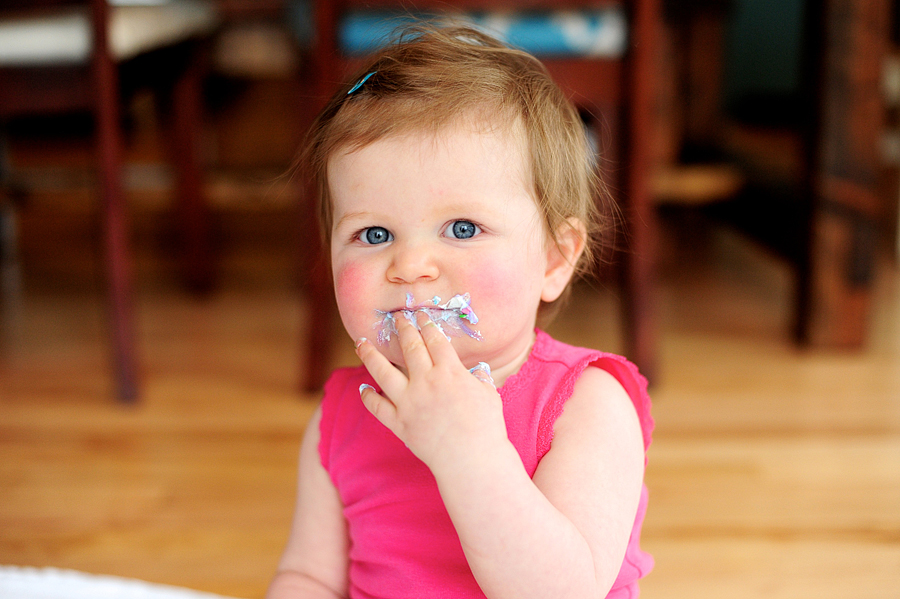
x: 412, y: 263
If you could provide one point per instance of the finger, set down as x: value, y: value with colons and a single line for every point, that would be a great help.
x: 439, y: 346
x: 482, y: 372
x: 412, y: 345
x: 381, y: 407
x: 388, y: 376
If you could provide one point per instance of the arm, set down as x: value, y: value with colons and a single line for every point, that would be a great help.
x: 562, y: 533
x: 314, y: 564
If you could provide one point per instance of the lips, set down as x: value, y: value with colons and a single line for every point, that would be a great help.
x: 411, y: 306
x: 452, y: 318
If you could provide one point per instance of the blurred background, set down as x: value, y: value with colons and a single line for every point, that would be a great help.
x: 165, y: 324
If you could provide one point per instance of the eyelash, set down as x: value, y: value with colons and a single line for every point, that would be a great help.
x: 358, y: 235
x: 478, y: 228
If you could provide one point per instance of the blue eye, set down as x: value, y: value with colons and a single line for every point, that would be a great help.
x: 375, y: 235
x: 462, y: 229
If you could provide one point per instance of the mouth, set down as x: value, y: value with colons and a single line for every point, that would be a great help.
x: 451, y: 318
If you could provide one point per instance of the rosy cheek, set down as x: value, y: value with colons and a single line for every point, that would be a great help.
x: 489, y: 284
x: 353, y: 291
x: 349, y: 282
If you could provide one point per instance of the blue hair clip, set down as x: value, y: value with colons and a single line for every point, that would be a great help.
x: 360, y: 83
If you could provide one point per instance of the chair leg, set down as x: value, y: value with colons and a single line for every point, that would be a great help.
x: 115, y: 224
x: 320, y: 305
x: 10, y: 269
x: 320, y: 311
x: 640, y: 283
x: 320, y: 314
x: 197, y: 262
x: 119, y: 276
x: 10, y: 273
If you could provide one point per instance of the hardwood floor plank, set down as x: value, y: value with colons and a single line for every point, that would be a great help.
x: 751, y: 568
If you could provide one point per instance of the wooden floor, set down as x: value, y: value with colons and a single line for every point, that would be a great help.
x: 774, y: 472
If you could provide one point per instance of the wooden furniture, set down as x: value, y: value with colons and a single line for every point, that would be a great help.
x: 845, y: 164
x: 614, y: 92
x: 51, y: 76
x: 812, y: 162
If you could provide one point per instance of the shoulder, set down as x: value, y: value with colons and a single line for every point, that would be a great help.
x: 549, y: 350
x: 588, y: 376
x: 602, y: 401
x: 596, y: 376
x: 599, y: 407
x: 572, y: 363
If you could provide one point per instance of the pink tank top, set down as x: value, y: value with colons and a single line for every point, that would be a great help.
x: 403, y: 544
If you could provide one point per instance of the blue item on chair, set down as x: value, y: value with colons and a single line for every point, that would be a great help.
x: 598, y: 32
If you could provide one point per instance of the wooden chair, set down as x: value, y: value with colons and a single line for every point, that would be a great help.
x: 613, y: 90
x: 811, y: 156
x: 41, y: 77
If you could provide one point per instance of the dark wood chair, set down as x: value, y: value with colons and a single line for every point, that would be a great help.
x: 614, y: 91
x: 88, y: 77
x: 810, y: 154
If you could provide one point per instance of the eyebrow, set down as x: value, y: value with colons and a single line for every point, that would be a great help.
x: 360, y: 215
x: 461, y: 209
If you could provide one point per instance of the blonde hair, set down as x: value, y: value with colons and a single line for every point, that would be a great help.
x: 432, y: 76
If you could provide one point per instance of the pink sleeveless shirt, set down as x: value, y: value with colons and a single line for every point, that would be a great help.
x: 403, y: 544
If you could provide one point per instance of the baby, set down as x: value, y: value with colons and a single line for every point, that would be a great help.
x: 467, y: 456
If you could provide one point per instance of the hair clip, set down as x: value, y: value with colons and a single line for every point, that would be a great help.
x: 360, y: 83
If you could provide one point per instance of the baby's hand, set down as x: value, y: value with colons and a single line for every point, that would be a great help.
x: 440, y: 410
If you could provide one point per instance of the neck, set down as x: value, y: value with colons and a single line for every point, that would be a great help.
x: 501, y: 373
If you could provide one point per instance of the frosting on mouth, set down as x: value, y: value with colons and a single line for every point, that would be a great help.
x: 451, y: 318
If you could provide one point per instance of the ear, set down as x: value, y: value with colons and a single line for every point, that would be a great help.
x: 562, y: 255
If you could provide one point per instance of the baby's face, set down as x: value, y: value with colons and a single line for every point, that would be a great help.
x: 421, y: 219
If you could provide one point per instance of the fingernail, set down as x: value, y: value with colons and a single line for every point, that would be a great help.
x: 365, y: 386
x: 482, y: 372
x: 360, y: 341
